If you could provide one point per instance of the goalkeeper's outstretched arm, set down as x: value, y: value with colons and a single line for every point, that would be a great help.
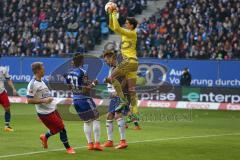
x: 110, y: 21
x: 115, y: 26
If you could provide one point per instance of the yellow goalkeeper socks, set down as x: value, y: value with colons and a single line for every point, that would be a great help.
x: 133, y: 102
x: 134, y: 109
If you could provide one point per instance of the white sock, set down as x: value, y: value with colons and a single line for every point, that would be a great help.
x: 109, y: 126
x: 121, y: 127
x: 88, y: 131
x: 96, y: 130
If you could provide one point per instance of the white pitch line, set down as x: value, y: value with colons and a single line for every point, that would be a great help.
x: 186, y: 137
x: 143, y: 141
x: 37, y: 152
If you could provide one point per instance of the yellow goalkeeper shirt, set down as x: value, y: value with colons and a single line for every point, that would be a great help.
x: 128, y: 37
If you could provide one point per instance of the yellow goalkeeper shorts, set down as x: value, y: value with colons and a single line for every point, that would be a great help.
x: 128, y: 68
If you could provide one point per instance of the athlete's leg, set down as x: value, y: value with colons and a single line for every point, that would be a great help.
x: 109, y: 126
x: 133, y: 94
x: 118, y: 72
x: 121, y: 126
x: 6, y: 106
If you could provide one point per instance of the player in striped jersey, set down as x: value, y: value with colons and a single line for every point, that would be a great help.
x: 39, y: 94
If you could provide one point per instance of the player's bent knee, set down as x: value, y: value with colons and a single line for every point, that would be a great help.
x: 132, y: 89
x: 7, y: 109
x: 63, y: 131
x: 118, y: 115
x: 132, y: 92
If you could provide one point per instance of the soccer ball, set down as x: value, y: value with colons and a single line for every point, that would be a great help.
x: 111, y: 5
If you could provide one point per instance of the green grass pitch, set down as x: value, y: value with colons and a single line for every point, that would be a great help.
x: 167, y: 134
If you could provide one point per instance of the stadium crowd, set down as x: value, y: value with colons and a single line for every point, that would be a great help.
x: 200, y: 29
x: 56, y: 27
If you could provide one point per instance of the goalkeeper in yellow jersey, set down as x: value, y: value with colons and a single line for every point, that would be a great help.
x: 110, y: 57
x: 129, y: 65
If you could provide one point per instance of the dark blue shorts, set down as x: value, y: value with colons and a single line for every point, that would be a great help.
x: 86, y: 109
x: 114, y: 104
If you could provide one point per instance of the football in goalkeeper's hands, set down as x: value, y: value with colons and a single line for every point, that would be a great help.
x: 110, y: 7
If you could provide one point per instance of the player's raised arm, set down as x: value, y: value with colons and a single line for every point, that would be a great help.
x: 110, y: 22
x: 120, y: 30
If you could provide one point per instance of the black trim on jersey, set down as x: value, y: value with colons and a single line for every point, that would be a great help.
x: 29, y: 96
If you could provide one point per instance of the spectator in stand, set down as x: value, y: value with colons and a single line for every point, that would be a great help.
x: 186, y: 78
x: 200, y: 29
x: 53, y: 28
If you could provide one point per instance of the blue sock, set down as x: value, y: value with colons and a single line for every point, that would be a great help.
x: 7, y: 118
x: 48, y: 134
x: 64, y: 138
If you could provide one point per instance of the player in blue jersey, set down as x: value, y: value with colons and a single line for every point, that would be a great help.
x: 78, y: 82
